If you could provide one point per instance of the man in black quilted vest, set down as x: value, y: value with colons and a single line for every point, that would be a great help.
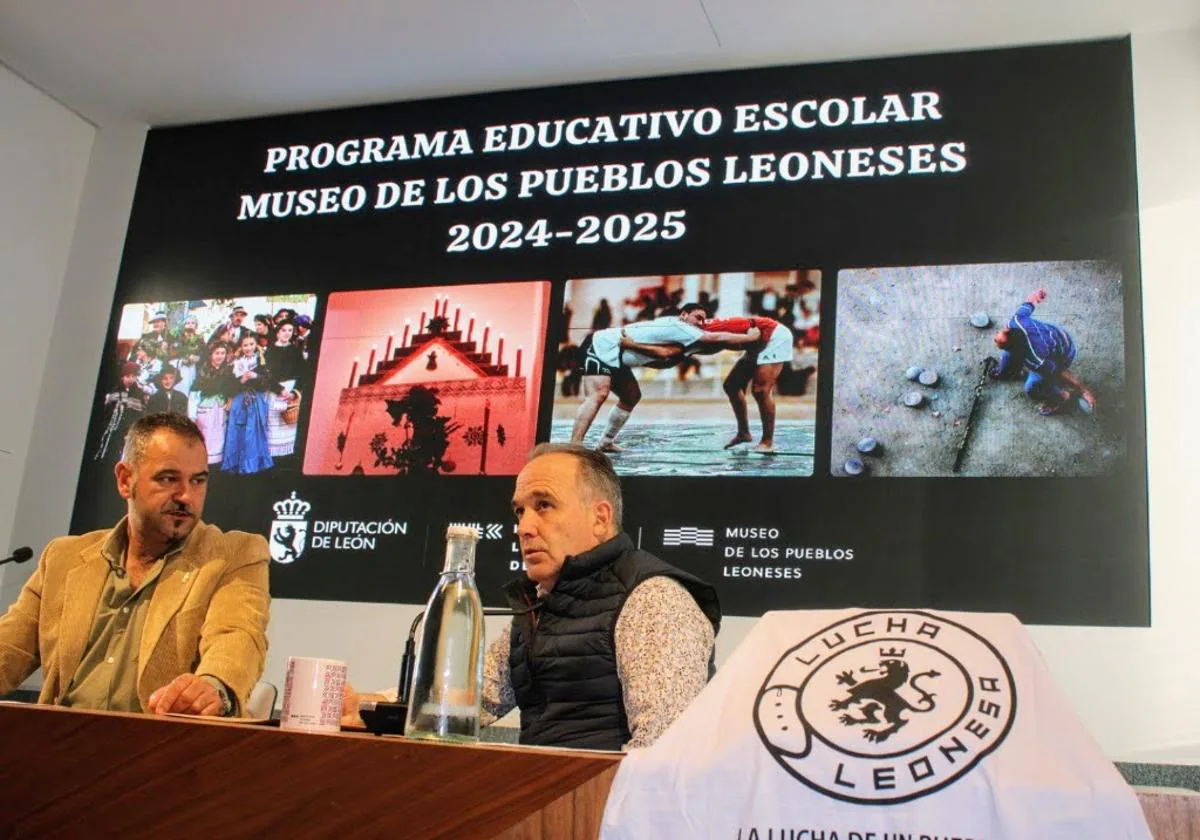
x: 612, y: 643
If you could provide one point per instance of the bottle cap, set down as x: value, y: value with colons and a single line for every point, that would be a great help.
x: 453, y: 531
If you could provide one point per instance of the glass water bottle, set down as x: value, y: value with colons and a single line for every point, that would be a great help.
x: 447, y: 684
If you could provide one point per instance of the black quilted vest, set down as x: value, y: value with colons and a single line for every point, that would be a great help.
x: 563, y: 662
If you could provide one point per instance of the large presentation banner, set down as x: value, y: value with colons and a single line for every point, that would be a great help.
x: 859, y: 334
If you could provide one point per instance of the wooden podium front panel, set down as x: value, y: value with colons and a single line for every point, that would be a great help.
x: 1171, y: 814
x: 70, y: 773
x: 574, y: 816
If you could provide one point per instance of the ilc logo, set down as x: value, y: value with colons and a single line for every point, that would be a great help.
x: 886, y: 707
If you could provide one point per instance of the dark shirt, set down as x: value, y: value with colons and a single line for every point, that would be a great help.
x: 163, y: 400
x: 286, y: 364
x: 214, y: 382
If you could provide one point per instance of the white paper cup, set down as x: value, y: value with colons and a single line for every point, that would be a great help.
x: 312, y: 694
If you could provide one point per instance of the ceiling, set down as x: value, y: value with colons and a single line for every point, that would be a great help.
x: 177, y: 61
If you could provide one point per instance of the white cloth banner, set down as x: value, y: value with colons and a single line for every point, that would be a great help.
x: 876, y: 725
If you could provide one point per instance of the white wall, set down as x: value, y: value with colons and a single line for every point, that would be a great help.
x: 43, y: 159
x: 1135, y: 689
x: 73, y: 337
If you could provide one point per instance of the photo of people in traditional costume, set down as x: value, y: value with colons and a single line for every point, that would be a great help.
x: 148, y: 366
x: 157, y: 342
x: 303, y: 330
x: 210, y: 396
x: 181, y: 353
x: 123, y: 405
x: 263, y: 331
x: 289, y: 375
x: 233, y: 330
x: 168, y: 397
x: 246, y: 431
x: 187, y: 351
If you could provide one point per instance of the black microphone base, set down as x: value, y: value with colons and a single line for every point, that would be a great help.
x: 383, y: 718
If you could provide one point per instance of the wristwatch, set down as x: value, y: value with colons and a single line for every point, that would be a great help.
x: 226, y: 702
x: 222, y: 692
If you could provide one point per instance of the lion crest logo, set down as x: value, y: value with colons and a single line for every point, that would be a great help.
x: 289, y: 531
x: 886, y: 707
x: 880, y: 694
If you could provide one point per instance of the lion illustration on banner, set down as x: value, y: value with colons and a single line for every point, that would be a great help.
x: 881, y: 693
x: 290, y: 543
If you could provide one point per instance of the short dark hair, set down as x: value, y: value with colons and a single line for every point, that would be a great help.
x: 692, y: 307
x: 596, y: 473
x: 141, y: 432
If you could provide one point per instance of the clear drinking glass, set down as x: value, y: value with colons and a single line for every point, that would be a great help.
x: 447, y: 684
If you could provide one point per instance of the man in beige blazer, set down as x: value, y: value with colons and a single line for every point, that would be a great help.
x: 162, y: 613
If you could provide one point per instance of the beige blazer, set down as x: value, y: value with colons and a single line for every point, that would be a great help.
x: 208, y: 614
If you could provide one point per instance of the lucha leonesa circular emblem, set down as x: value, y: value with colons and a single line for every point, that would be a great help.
x: 886, y: 706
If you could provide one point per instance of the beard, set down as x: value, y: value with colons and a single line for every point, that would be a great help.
x: 166, y: 523
x: 175, y: 522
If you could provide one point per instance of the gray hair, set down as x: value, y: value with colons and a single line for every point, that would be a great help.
x: 596, y: 473
x: 140, y: 433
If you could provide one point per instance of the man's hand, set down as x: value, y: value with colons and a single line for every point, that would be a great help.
x: 1036, y: 297
x: 187, y: 694
x: 350, y: 706
x: 350, y: 701
x: 732, y: 341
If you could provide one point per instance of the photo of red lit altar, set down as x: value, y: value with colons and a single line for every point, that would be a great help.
x: 435, y: 380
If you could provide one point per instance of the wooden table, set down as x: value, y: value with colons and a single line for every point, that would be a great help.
x: 68, y: 773
x: 1172, y: 814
